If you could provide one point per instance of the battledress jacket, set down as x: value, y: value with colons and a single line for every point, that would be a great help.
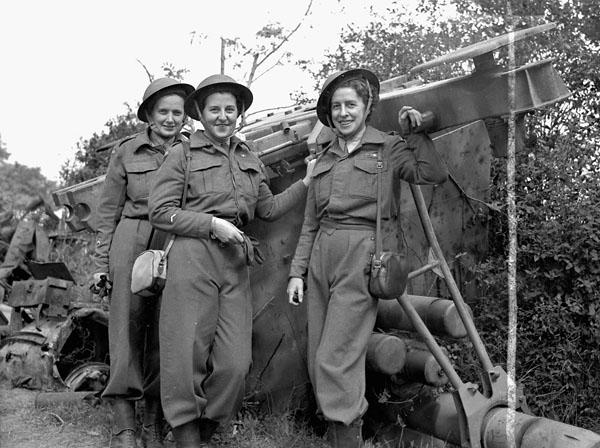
x: 129, y: 178
x: 344, y: 187
x: 231, y: 185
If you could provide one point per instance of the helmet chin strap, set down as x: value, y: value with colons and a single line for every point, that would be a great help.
x: 370, y: 101
x: 243, y: 115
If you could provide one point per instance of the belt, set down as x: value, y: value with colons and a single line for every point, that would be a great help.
x: 141, y: 217
x: 354, y: 224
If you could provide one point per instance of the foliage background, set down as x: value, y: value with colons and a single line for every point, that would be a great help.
x: 19, y: 185
x: 558, y: 174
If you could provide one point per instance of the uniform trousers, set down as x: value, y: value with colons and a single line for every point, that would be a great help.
x: 341, y: 317
x: 133, y: 320
x: 205, y: 331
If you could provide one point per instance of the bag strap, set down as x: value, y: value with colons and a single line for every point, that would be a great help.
x: 188, y: 158
x: 378, y: 241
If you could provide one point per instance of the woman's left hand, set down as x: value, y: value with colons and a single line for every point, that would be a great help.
x: 409, y: 118
x: 310, y: 166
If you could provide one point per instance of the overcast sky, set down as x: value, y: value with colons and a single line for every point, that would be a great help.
x: 69, y: 66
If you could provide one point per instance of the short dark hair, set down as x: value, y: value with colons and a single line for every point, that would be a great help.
x: 239, y: 102
x: 361, y: 87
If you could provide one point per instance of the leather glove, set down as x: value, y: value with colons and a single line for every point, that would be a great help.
x: 101, y: 285
x: 251, y: 250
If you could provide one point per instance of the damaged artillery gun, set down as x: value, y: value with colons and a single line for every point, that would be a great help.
x: 406, y: 365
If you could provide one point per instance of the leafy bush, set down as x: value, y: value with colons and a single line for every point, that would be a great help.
x: 558, y: 285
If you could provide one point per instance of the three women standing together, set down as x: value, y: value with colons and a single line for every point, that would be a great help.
x: 205, y: 313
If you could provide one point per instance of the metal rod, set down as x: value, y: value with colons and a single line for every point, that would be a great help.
x: 461, y: 307
x: 431, y: 343
x: 423, y: 269
x: 276, y: 148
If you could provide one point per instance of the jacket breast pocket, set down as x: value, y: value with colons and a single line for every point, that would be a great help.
x: 249, y: 176
x: 207, y: 175
x: 322, y: 178
x: 363, y: 182
x: 139, y: 177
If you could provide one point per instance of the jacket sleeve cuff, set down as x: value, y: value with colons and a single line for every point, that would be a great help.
x: 296, y: 270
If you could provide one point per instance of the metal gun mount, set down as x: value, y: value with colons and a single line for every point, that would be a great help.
x: 445, y: 220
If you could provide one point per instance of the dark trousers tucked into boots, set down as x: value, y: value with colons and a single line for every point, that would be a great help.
x: 187, y: 435
x: 345, y: 436
x: 205, y: 332
x: 123, y: 427
x: 152, y: 425
x: 195, y: 434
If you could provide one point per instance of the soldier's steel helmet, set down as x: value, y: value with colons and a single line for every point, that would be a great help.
x: 161, y: 85
x: 215, y: 83
x: 333, y: 81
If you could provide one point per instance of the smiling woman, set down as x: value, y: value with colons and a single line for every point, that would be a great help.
x: 206, y: 314
x: 165, y: 118
x: 123, y: 232
x: 338, y: 238
x: 219, y: 115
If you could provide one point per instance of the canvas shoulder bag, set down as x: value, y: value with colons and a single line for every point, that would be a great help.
x: 149, y: 272
x: 389, y: 270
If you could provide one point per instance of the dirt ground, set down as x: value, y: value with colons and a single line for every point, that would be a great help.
x: 22, y: 425
x: 84, y: 425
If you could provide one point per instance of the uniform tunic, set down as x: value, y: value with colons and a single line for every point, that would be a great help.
x: 334, y: 252
x: 206, y: 315
x: 123, y: 232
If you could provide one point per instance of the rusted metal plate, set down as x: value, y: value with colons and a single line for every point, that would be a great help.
x: 51, y: 291
x: 278, y: 376
x: 455, y: 207
x: 465, y: 99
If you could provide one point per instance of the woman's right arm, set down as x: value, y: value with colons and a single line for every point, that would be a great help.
x: 299, y: 266
x: 109, y: 209
x: 164, y: 204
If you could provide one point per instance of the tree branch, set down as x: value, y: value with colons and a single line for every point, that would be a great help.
x: 150, y: 77
x: 286, y: 38
x: 269, y: 69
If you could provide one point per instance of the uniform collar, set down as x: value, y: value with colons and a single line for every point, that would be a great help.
x: 373, y: 136
x: 352, y: 144
x: 370, y: 136
x: 142, y: 139
x: 199, y: 139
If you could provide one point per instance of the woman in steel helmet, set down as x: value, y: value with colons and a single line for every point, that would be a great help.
x: 206, y: 316
x: 123, y: 232
x: 337, y: 241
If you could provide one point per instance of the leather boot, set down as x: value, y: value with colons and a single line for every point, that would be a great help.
x: 188, y: 435
x: 207, y: 429
x: 153, y: 425
x: 123, y: 439
x: 123, y: 431
x: 152, y: 435
x: 342, y: 436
